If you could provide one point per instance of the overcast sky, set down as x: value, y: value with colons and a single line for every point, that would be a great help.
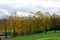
x: 44, y: 3
x: 26, y: 5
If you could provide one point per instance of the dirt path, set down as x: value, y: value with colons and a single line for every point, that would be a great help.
x: 4, y: 39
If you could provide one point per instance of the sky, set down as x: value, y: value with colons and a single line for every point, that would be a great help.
x: 44, y: 3
x: 26, y: 6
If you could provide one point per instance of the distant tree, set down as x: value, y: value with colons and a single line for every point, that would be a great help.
x: 54, y: 20
x: 39, y: 17
x: 5, y: 21
x: 47, y: 21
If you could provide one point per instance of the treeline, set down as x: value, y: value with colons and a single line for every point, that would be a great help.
x: 38, y: 22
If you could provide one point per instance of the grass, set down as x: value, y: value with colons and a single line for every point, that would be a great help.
x: 52, y: 38
x: 40, y: 36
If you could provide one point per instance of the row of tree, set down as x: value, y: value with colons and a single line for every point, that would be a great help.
x: 36, y: 23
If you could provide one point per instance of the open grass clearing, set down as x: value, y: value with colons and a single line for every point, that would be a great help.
x: 40, y: 36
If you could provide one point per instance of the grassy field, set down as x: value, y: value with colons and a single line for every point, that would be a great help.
x: 40, y: 36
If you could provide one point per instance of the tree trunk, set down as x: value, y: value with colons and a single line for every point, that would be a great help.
x: 5, y: 29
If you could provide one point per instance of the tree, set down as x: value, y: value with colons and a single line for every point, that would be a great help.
x: 39, y: 17
x: 47, y: 21
x: 5, y: 20
x: 54, y: 20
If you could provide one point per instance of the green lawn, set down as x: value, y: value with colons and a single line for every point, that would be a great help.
x: 41, y: 36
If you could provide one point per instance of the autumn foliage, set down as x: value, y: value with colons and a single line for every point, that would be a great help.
x: 39, y: 22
